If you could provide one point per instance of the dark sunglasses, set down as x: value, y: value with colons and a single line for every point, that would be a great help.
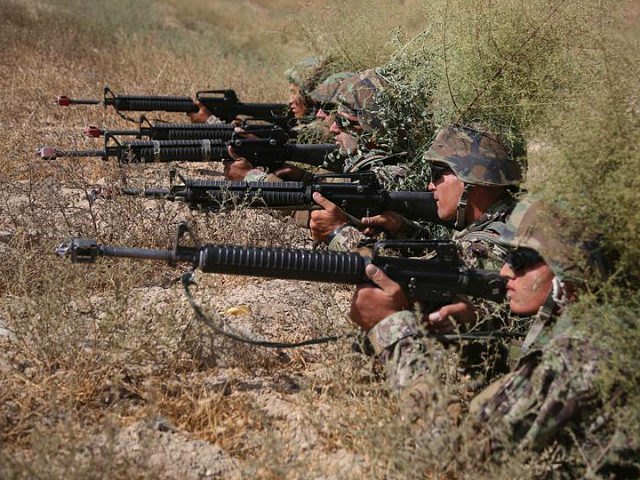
x: 436, y: 171
x: 345, y: 123
x: 522, y: 258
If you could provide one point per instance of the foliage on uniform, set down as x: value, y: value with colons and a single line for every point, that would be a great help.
x: 406, y: 108
x: 590, y: 151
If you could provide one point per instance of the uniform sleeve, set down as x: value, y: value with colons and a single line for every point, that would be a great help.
x: 549, y: 392
x: 346, y: 240
x: 407, y: 356
x: 256, y: 175
x: 397, y: 342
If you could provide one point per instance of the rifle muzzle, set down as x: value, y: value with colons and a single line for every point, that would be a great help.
x: 86, y: 250
x: 47, y: 153
x: 93, y: 132
x: 64, y: 101
x: 80, y: 250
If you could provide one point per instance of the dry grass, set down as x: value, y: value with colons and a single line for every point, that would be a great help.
x: 115, y: 344
x: 98, y: 350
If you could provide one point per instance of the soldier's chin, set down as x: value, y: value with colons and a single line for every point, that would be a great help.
x: 346, y: 151
x: 443, y: 214
x: 518, y: 308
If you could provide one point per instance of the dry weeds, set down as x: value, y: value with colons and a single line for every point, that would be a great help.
x: 104, y: 372
x: 95, y: 351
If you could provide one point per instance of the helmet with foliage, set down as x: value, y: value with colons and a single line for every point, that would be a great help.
x: 475, y: 156
x: 359, y: 97
x: 308, y: 73
x: 327, y: 92
x: 543, y: 227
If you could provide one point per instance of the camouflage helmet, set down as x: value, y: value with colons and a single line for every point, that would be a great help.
x: 327, y: 92
x: 359, y: 97
x: 475, y: 156
x: 544, y: 228
x: 308, y: 73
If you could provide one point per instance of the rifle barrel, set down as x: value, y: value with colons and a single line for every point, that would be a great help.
x: 64, y: 101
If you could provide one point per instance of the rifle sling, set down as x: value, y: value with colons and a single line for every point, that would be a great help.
x: 187, y: 280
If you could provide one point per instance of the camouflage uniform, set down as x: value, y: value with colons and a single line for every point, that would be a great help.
x: 477, y: 159
x: 549, y: 399
x: 314, y: 130
x: 357, y: 96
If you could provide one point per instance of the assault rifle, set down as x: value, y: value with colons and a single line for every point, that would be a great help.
x: 261, y: 152
x: 224, y: 104
x: 358, y: 194
x: 438, y: 276
x: 190, y: 131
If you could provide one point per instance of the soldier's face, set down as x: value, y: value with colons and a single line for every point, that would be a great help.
x: 296, y: 102
x: 347, y: 143
x: 447, y: 190
x: 528, y: 287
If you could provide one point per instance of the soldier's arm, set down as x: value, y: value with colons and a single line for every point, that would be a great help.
x: 550, y: 394
x: 393, y: 330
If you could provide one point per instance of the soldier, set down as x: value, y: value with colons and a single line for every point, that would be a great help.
x: 357, y: 127
x: 472, y: 177
x: 325, y: 95
x: 549, y: 398
x: 302, y: 77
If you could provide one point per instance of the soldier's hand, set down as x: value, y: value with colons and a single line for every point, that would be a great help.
x: 446, y: 318
x: 237, y: 168
x: 201, y: 116
x: 242, y: 132
x: 388, y: 221
x: 370, y: 304
x: 290, y: 172
x: 325, y: 221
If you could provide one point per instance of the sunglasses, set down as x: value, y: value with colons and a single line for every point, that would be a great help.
x: 345, y: 123
x: 522, y: 258
x: 436, y: 171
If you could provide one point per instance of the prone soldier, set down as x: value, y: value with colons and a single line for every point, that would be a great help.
x: 548, y: 400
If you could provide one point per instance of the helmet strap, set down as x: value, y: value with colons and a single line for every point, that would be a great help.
x: 542, y: 318
x: 546, y: 310
x: 461, y: 212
